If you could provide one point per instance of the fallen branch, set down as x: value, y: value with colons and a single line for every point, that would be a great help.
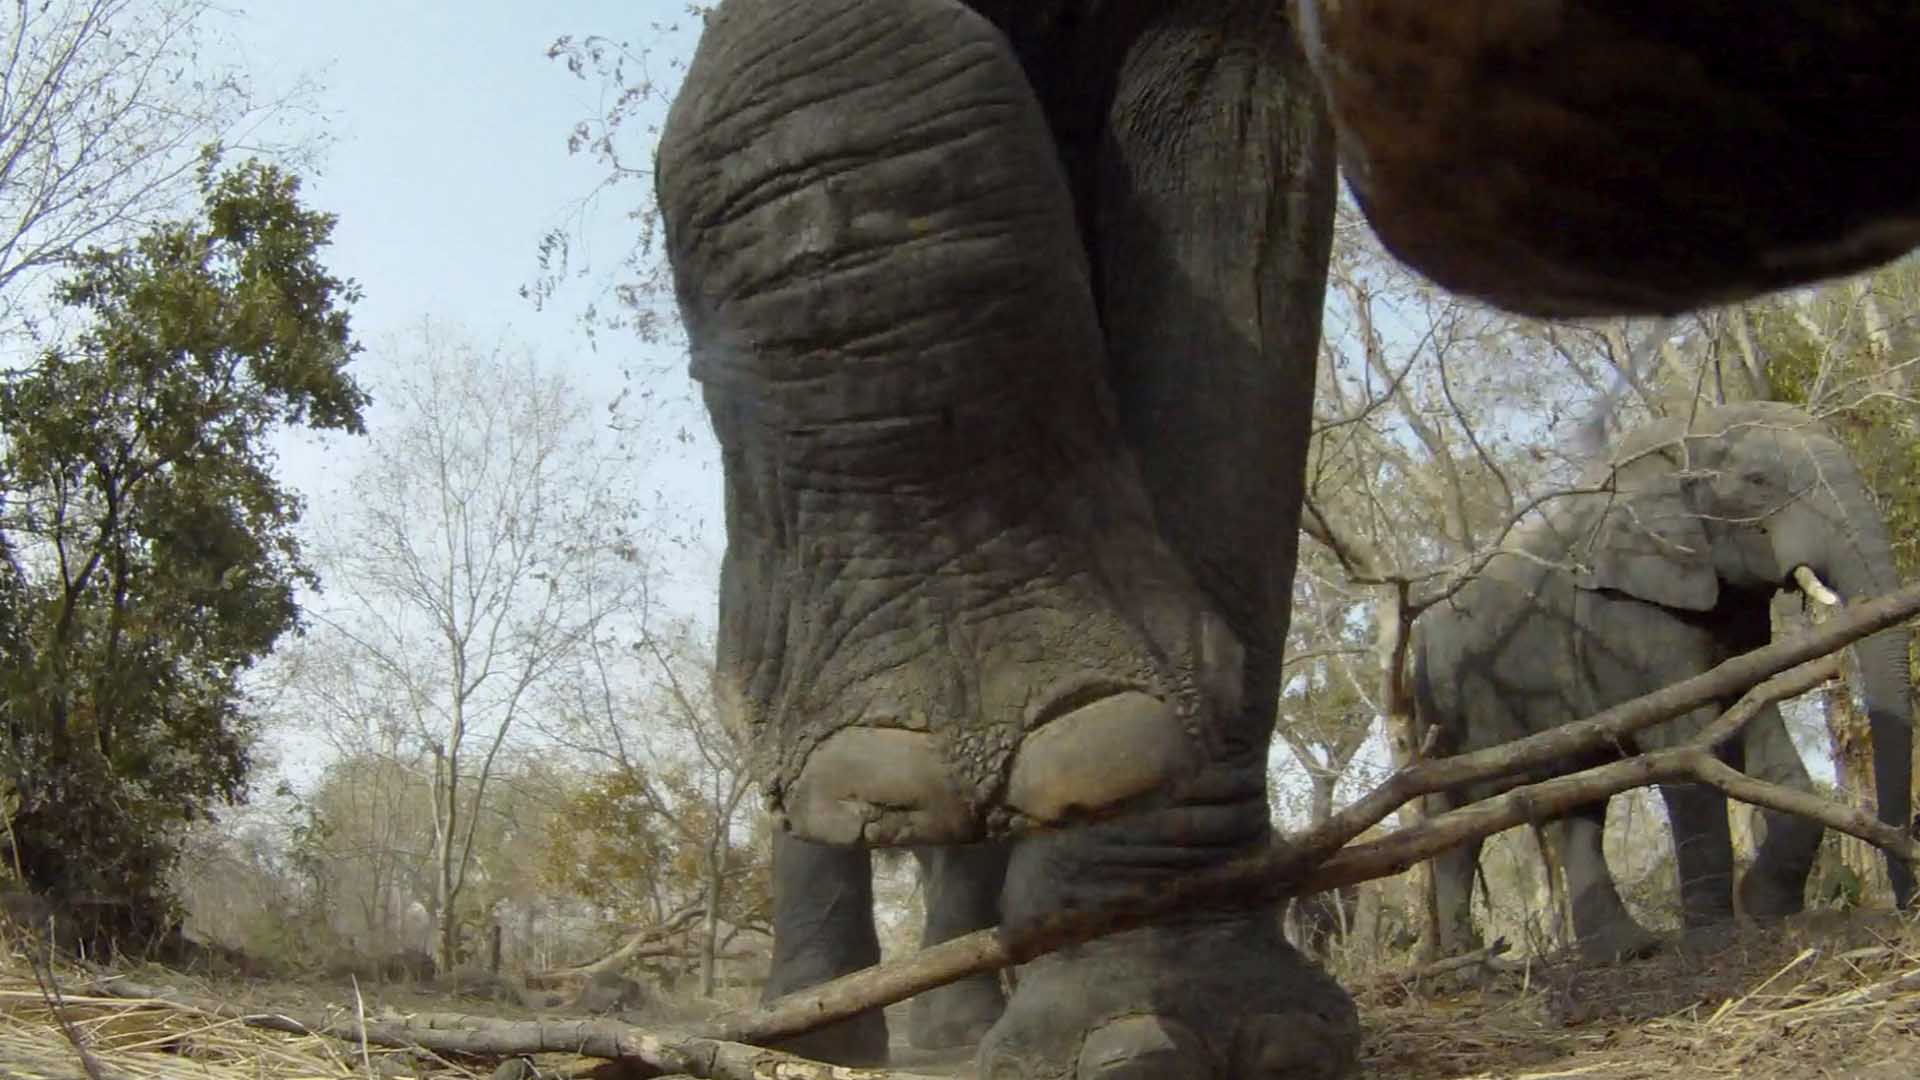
x: 1548, y: 799
x: 633, y: 948
x: 1308, y: 862
x: 489, y: 1037
x: 1391, y: 979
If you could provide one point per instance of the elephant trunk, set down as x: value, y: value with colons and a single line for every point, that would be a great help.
x: 1886, y: 689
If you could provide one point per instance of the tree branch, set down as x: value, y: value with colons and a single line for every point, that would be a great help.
x: 1307, y: 862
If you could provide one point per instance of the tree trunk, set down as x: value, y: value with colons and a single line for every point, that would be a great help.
x: 1852, y: 750
x: 445, y: 939
x: 1405, y: 739
x: 710, y: 927
x: 1878, y: 669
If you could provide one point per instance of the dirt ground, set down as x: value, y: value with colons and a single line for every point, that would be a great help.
x: 1826, y: 995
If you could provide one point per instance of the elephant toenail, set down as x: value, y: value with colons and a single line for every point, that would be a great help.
x: 1143, y: 1048
x: 878, y: 786
x: 1098, y: 755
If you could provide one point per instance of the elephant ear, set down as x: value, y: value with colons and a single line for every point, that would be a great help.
x: 1652, y: 546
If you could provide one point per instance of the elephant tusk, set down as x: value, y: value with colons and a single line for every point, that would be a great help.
x: 1811, y: 584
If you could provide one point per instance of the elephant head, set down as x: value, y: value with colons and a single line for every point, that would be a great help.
x: 1741, y: 501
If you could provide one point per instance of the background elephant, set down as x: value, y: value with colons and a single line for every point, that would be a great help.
x: 1006, y: 320
x: 1663, y: 563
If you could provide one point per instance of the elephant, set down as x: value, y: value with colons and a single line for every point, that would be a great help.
x: 1006, y: 317
x: 1663, y: 562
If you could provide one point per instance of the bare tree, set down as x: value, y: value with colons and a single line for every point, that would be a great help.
x: 486, y: 544
x: 643, y: 716
x: 108, y: 111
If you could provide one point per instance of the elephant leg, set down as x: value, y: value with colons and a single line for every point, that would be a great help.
x: 962, y: 889
x: 1209, y: 231
x: 823, y: 929
x: 948, y: 610
x: 1453, y: 876
x: 1703, y: 853
x: 945, y: 599
x: 1775, y: 886
x: 1601, y: 922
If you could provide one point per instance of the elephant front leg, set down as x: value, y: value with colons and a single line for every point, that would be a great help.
x: 946, y: 612
x: 1208, y: 189
x: 1206, y: 996
x: 1775, y: 886
x: 823, y: 929
x: 1703, y: 853
x: 1453, y: 874
x: 1602, y: 925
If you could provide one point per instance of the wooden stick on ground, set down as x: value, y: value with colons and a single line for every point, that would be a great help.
x: 450, y: 1033
x: 1389, y: 979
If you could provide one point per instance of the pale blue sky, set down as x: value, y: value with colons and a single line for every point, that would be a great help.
x: 448, y: 163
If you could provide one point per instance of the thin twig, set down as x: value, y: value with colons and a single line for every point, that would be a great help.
x: 360, y: 1014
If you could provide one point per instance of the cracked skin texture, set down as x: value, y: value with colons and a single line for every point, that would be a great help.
x: 1013, y: 474
x: 937, y: 535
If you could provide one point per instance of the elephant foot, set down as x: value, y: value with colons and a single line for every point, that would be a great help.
x: 1203, y: 1000
x: 1768, y: 898
x: 1619, y: 942
x: 1100, y: 744
x: 948, y: 611
x: 955, y: 1015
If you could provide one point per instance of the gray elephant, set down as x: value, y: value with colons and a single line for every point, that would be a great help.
x: 1663, y: 563
x: 1006, y: 319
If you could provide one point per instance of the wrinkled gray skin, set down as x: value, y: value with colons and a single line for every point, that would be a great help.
x: 1672, y: 571
x: 1006, y: 321
x: 1012, y: 457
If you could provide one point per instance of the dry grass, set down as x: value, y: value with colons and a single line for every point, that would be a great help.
x: 43, y: 1027
x: 1826, y: 995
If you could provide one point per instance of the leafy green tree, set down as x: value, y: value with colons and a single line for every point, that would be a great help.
x: 150, y: 551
